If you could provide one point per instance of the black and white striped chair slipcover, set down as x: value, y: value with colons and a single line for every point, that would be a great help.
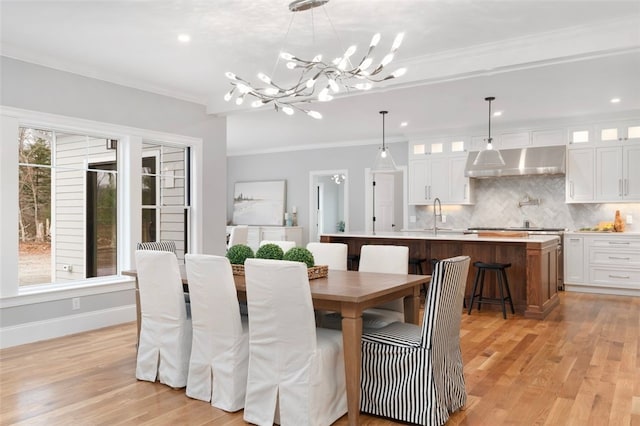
x: 412, y: 373
x: 158, y: 246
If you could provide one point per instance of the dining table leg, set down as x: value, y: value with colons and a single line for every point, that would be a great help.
x: 352, y: 341
x: 412, y: 306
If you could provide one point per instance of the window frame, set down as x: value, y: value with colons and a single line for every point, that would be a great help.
x: 129, y: 157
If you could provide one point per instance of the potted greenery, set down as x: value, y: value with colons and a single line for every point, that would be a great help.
x: 270, y: 251
x: 300, y: 254
x: 237, y: 254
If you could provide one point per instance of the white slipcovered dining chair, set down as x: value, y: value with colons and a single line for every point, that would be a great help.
x: 384, y: 259
x: 334, y: 255
x: 412, y: 373
x: 165, y: 332
x: 296, y: 372
x: 239, y: 235
x: 220, y: 343
x: 284, y: 245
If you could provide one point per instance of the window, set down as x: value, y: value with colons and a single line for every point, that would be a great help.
x: 77, y: 198
x: 67, y: 192
x: 165, y: 194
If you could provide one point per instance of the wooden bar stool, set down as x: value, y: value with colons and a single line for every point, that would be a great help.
x: 415, y: 265
x: 503, y: 284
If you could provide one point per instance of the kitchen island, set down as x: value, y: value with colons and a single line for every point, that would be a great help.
x: 532, y: 275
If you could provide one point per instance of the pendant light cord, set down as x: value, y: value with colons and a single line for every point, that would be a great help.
x: 383, y: 114
x: 490, y: 98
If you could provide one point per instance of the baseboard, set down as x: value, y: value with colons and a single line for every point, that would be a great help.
x: 63, y: 326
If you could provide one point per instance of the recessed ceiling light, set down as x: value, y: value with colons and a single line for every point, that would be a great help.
x: 404, y: 124
x: 184, y: 38
x: 615, y: 100
x: 497, y: 113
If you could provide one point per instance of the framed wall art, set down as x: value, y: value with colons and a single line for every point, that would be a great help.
x: 259, y: 203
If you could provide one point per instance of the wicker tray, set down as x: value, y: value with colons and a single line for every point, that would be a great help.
x: 314, y: 272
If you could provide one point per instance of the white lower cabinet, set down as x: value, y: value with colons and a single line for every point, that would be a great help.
x: 602, y: 263
x: 274, y: 233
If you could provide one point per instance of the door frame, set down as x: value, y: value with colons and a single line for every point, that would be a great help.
x: 313, y: 183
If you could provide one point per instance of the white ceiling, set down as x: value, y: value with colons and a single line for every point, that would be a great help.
x: 540, y: 59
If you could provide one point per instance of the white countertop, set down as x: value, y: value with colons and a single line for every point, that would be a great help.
x: 448, y: 235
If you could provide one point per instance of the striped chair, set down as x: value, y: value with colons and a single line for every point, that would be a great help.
x: 412, y: 373
x: 158, y: 246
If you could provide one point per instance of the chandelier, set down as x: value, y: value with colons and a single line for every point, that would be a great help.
x: 317, y: 79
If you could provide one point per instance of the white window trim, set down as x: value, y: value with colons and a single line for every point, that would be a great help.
x: 130, y: 138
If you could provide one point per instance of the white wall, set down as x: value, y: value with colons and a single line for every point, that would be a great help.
x: 294, y: 167
x: 36, y: 88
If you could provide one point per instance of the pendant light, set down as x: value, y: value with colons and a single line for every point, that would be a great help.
x: 489, y: 157
x: 384, y: 161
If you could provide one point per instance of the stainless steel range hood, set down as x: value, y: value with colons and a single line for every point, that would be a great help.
x: 546, y: 160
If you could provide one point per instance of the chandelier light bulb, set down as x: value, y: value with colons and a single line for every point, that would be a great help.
x: 383, y: 154
x: 334, y: 87
x: 397, y: 42
x: 239, y: 100
x: 375, y: 40
x: 288, y: 110
x: 366, y: 64
x: 387, y: 59
x: 230, y: 75
x: 256, y: 104
x: 399, y: 72
x: 264, y: 77
x: 270, y: 91
x: 291, y: 65
x: 286, y: 56
x: 310, y: 83
x: 317, y: 58
x: 227, y: 96
x: 314, y: 114
x: 350, y: 51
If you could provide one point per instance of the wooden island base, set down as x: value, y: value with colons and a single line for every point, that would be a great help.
x: 533, y: 274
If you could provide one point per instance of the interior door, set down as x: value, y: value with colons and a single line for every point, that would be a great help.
x: 384, y: 202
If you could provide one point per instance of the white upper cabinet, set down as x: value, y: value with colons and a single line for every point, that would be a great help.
x: 609, y: 181
x: 620, y: 131
x: 549, y: 137
x: 436, y: 170
x: 580, y: 175
x: 581, y: 134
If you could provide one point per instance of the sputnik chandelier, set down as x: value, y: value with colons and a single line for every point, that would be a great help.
x: 318, y: 80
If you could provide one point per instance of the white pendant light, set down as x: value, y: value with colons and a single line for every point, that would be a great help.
x: 489, y: 157
x: 384, y: 161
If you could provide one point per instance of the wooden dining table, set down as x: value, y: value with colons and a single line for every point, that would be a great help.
x: 350, y: 293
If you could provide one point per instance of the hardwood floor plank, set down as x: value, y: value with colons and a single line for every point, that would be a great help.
x: 580, y: 366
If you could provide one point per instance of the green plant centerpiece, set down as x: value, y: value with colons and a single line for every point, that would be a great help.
x: 300, y: 254
x: 238, y: 253
x: 270, y: 251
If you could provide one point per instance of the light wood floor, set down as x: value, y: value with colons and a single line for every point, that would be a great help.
x: 581, y: 366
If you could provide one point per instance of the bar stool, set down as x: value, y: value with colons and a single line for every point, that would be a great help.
x: 353, y: 260
x: 503, y: 284
x: 416, y: 263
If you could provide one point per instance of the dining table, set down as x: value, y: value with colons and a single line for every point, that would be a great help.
x: 349, y: 293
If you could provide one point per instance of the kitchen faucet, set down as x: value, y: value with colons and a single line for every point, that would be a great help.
x: 436, y: 214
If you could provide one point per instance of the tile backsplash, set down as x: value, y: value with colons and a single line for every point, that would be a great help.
x: 498, y: 204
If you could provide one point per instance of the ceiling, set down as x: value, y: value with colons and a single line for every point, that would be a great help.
x: 542, y: 60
